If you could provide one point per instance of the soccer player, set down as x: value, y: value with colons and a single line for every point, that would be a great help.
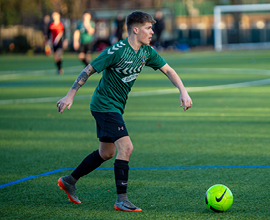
x: 56, y: 31
x: 83, y: 38
x: 121, y: 64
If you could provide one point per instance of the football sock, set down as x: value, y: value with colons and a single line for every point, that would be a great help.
x: 121, y: 175
x: 84, y: 61
x: 59, y: 64
x: 90, y: 163
x: 70, y: 179
x: 122, y: 197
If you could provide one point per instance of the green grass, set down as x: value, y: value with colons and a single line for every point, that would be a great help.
x: 225, y: 127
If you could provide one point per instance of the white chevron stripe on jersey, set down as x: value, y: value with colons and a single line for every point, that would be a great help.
x: 135, y: 69
x: 109, y: 52
x: 117, y: 69
x: 114, y: 48
x: 130, y: 62
x: 125, y: 71
x: 130, y: 70
x: 140, y: 68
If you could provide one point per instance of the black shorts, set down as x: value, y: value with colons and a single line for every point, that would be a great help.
x: 58, y: 46
x: 110, y: 126
x: 86, y: 48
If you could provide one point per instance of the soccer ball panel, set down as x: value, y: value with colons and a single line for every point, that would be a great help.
x: 218, y: 198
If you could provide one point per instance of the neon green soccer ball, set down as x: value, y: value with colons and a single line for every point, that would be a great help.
x: 219, y: 198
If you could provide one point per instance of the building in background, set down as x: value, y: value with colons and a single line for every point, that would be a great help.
x: 188, y: 23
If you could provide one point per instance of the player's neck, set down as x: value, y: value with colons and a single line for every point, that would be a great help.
x: 134, y: 43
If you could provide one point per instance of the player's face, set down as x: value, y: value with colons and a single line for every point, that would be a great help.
x: 145, y: 33
x: 56, y: 16
x: 86, y: 17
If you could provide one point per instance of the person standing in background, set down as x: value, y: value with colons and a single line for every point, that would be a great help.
x: 120, y: 21
x: 158, y: 27
x: 83, y: 38
x: 45, y: 25
x: 56, y: 31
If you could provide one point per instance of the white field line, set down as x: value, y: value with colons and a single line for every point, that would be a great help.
x: 8, y: 75
x: 224, y: 71
x: 142, y: 93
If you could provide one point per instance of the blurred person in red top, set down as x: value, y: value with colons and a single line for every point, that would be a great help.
x: 56, y: 32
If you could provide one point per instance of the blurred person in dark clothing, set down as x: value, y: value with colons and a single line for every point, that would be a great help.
x: 158, y: 27
x: 120, y: 21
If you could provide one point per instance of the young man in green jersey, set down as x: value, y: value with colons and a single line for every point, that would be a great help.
x: 121, y: 63
x: 83, y: 38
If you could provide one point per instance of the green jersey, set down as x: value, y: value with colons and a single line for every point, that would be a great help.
x: 121, y: 66
x: 85, y: 38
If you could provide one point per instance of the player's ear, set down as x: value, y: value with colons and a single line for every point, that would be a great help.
x: 135, y: 30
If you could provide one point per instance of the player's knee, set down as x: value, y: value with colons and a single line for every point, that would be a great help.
x: 128, y: 150
x: 107, y: 155
x: 81, y: 56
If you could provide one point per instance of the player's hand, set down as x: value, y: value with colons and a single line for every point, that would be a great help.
x: 63, y: 103
x: 86, y: 24
x: 185, y: 101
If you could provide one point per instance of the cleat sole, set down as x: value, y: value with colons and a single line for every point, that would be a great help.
x: 118, y: 209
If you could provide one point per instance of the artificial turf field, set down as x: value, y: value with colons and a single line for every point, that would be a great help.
x: 223, y: 138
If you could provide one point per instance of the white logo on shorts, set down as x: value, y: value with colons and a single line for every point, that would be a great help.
x: 121, y: 128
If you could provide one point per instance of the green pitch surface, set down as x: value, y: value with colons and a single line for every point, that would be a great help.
x: 222, y: 139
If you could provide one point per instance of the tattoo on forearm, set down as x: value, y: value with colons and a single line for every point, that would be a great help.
x: 76, y: 86
x: 82, y: 78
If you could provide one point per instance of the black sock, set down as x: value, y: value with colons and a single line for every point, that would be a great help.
x: 90, y: 163
x: 84, y: 61
x: 121, y: 175
x: 59, y: 64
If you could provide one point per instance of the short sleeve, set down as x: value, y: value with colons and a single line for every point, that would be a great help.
x: 104, y: 60
x: 155, y: 60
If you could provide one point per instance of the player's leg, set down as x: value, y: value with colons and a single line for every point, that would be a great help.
x: 88, y: 52
x: 58, y: 56
x: 82, y: 54
x: 121, y: 168
x: 105, y: 152
x: 82, y: 57
x: 88, y: 58
x: 111, y: 128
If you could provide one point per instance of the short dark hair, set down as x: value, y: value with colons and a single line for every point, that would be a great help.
x: 138, y: 17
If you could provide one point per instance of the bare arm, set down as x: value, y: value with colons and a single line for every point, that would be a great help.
x: 76, y: 37
x: 177, y: 82
x: 79, y: 82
